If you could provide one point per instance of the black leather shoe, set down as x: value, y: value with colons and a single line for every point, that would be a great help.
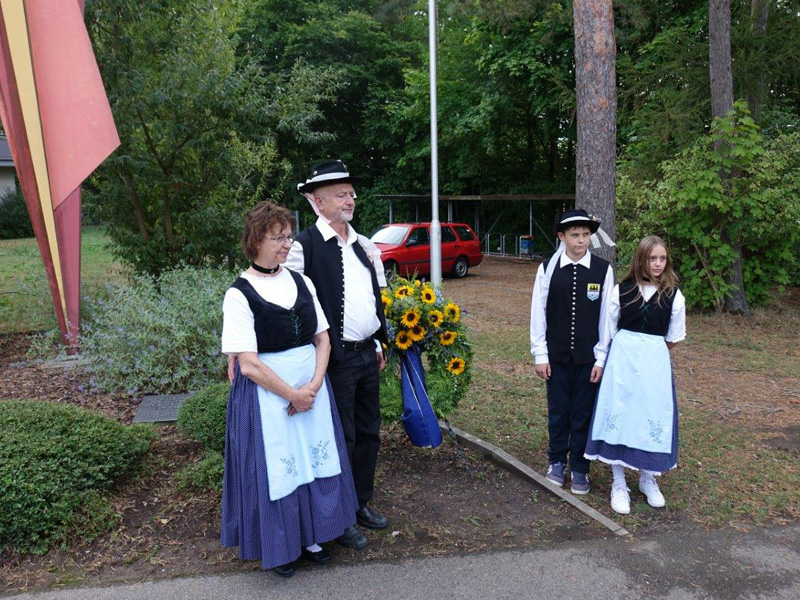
x: 353, y: 538
x: 371, y: 519
x: 319, y: 557
x: 286, y: 570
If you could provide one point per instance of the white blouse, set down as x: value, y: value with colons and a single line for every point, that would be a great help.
x: 608, y: 325
x: 238, y: 323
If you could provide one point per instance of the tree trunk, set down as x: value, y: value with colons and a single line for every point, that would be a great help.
x: 719, y: 63
x: 759, y: 16
x: 595, y: 81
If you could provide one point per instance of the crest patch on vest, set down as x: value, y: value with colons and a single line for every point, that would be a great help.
x: 593, y: 291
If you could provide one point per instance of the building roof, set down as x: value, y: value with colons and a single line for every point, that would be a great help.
x: 5, y: 153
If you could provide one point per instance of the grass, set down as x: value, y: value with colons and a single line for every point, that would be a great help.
x: 25, y: 300
x: 725, y: 474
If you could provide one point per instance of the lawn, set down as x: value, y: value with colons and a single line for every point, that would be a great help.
x: 25, y: 300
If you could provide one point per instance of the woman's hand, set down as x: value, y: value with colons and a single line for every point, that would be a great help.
x: 302, y: 399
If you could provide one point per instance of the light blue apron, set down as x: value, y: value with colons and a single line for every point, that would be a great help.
x: 634, y: 405
x: 302, y: 447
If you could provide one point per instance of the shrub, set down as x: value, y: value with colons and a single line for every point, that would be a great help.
x: 202, y: 416
x: 159, y: 335
x: 205, y: 475
x: 57, y: 462
x: 14, y: 220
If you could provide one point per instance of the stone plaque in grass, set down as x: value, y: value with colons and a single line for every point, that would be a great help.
x: 160, y: 409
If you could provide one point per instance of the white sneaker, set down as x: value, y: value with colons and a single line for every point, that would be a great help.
x: 620, y: 498
x: 649, y: 487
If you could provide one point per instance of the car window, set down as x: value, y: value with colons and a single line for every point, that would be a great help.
x: 390, y: 234
x: 448, y: 235
x: 464, y: 233
x: 419, y: 235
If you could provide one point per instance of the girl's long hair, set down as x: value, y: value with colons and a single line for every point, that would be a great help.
x: 639, y: 271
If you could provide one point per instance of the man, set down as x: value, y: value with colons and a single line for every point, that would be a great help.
x: 346, y: 276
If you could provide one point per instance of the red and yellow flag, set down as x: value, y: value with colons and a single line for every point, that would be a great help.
x: 60, y: 128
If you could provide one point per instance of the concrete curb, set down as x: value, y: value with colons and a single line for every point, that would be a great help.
x: 490, y: 450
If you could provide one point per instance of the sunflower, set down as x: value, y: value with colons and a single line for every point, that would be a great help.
x: 435, y: 317
x: 409, y: 318
x: 416, y: 333
x: 456, y: 365
x: 404, y: 291
x: 403, y: 340
x: 387, y: 302
x: 452, y: 312
x: 427, y: 295
x: 447, y: 337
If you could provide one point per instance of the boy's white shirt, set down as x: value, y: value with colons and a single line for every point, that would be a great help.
x: 676, y: 331
x: 541, y: 288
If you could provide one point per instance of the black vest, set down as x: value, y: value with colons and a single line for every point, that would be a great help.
x: 573, y: 311
x: 325, y: 267
x: 279, y: 328
x: 651, y: 317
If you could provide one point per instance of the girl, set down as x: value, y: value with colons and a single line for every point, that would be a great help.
x: 635, y: 420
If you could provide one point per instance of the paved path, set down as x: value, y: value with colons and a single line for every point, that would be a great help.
x: 690, y: 564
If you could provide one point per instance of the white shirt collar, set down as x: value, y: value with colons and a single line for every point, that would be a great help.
x: 327, y: 231
x: 585, y: 261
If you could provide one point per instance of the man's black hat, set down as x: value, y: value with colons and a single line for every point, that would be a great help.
x: 326, y: 173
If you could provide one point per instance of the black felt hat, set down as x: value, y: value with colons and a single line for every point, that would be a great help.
x: 577, y: 217
x: 326, y: 173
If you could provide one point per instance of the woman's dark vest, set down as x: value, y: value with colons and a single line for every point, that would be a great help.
x: 279, y: 328
x: 651, y: 317
x: 325, y: 267
x: 573, y: 311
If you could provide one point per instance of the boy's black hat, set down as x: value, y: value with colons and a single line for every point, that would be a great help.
x: 326, y: 173
x: 577, y: 217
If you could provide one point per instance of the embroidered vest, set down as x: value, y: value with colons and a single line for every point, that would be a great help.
x: 651, y: 317
x: 279, y: 328
x: 573, y: 311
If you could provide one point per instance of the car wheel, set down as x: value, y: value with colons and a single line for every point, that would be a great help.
x: 390, y: 269
x: 460, y: 267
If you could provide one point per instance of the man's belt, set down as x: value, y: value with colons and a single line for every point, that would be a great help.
x: 360, y: 345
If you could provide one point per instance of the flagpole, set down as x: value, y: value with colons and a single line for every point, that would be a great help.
x: 436, y: 232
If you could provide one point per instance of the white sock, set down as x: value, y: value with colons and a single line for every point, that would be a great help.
x: 314, y: 548
x: 619, y: 473
x: 646, y: 476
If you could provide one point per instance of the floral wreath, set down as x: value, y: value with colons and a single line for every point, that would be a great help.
x: 418, y: 313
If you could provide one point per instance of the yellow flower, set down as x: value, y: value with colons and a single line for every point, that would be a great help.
x: 435, y: 318
x: 387, y: 302
x: 404, y: 291
x: 447, y: 337
x: 417, y: 283
x: 427, y: 295
x: 456, y: 365
x: 416, y: 333
x: 452, y: 312
x: 409, y: 318
x: 403, y: 340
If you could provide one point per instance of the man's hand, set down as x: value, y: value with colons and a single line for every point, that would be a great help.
x: 543, y: 371
x: 381, y: 360
x: 597, y: 374
x: 231, y: 367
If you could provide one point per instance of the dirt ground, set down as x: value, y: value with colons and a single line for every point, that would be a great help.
x: 438, y: 502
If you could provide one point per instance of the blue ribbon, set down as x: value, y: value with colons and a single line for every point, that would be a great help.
x: 419, y: 419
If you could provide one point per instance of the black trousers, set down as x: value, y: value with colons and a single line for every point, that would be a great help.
x: 570, y: 402
x: 356, y: 385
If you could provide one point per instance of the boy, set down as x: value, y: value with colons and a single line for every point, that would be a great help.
x: 570, y: 294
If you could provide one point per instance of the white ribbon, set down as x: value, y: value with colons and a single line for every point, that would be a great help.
x: 601, y: 235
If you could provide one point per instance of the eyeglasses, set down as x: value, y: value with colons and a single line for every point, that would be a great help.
x: 281, y: 239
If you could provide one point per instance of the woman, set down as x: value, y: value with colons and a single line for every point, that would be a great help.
x: 287, y: 484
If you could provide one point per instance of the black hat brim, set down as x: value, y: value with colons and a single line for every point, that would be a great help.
x: 592, y: 225
x: 312, y: 185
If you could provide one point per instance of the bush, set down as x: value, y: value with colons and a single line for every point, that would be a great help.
x: 57, y: 460
x: 158, y: 335
x: 14, y: 220
x: 203, y: 476
x: 202, y: 416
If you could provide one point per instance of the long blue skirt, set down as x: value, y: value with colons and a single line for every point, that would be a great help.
x: 275, y: 532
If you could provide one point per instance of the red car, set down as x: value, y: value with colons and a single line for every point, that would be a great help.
x: 405, y: 248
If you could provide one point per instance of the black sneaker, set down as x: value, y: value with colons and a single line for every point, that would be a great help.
x: 555, y: 473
